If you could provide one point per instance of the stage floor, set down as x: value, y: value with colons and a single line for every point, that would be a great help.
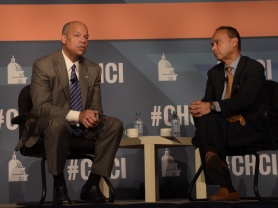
x: 165, y: 203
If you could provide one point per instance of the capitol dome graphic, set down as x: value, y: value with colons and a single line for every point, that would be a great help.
x: 15, y: 73
x: 165, y: 70
x: 169, y: 165
x: 16, y: 170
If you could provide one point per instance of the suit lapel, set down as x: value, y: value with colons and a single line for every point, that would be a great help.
x: 239, y: 70
x: 62, y: 74
x: 83, y: 80
x: 220, y: 81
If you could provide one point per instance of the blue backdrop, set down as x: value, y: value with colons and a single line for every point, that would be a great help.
x: 152, y: 76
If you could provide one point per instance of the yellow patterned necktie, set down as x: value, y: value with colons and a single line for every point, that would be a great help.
x: 228, y: 94
x: 229, y: 83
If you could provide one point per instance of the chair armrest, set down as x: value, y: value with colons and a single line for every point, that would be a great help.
x: 22, y: 118
x: 27, y: 123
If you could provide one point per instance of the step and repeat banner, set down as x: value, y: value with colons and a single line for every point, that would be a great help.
x: 153, y: 62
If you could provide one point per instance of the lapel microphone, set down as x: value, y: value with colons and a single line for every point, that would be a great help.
x: 226, y: 79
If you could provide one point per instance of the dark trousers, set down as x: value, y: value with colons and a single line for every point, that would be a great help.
x: 56, y: 134
x: 213, y: 130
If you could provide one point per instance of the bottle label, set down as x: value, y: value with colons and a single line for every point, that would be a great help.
x: 140, y: 129
x: 175, y: 129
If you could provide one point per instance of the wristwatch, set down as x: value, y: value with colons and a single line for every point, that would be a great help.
x: 211, y: 106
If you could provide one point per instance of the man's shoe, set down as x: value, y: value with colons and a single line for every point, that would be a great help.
x: 224, y: 195
x: 60, y: 195
x: 92, y: 194
x: 215, y: 163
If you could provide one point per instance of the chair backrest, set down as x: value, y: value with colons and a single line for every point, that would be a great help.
x: 272, y: 114
x: 24, y: 105
x: 272, y: 88
x: 267, y: 140
x: 24, y: 100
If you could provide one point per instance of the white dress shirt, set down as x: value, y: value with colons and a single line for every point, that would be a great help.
x: 72, y: 116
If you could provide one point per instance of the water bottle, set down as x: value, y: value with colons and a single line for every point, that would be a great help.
x: 138, y: 123
x: 175, y: 124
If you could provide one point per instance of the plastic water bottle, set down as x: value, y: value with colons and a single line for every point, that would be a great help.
x: 138, y: 123
x: 175, y: 124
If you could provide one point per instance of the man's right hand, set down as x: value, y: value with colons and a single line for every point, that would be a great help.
x: 89, y: 118
x: 199, y: 108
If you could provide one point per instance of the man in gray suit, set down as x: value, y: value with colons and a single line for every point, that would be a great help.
x: 53, y: 77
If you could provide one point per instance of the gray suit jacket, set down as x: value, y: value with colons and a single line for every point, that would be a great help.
x: 50, y: 91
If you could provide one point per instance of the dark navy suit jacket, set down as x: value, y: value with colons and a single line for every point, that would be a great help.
x: 249, y: 96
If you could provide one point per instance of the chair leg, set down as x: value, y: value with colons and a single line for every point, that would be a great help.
x: 193, y: 182
x: 43, y: 194
x: 256, y: 177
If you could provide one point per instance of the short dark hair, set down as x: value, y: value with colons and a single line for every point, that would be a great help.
x: 65, y: 28
x: 232, y: 33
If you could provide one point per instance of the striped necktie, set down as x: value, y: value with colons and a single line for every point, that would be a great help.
x: 75, y: 98
x: 228, y: 95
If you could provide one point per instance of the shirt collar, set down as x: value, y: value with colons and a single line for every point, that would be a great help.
x: 235, y: 63
x: 69, y: 63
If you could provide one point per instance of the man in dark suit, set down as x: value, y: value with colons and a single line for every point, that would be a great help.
x: 231, y: 109
x: 53, y: 77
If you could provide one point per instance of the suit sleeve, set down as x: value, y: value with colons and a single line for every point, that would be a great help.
x: 210, y: 89
x: 94, y: 92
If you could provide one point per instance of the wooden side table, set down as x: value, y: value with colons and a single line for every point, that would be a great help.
x: 150, y: 145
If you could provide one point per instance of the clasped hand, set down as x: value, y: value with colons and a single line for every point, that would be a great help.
x: 199, y: 108
x: 89, y: 118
